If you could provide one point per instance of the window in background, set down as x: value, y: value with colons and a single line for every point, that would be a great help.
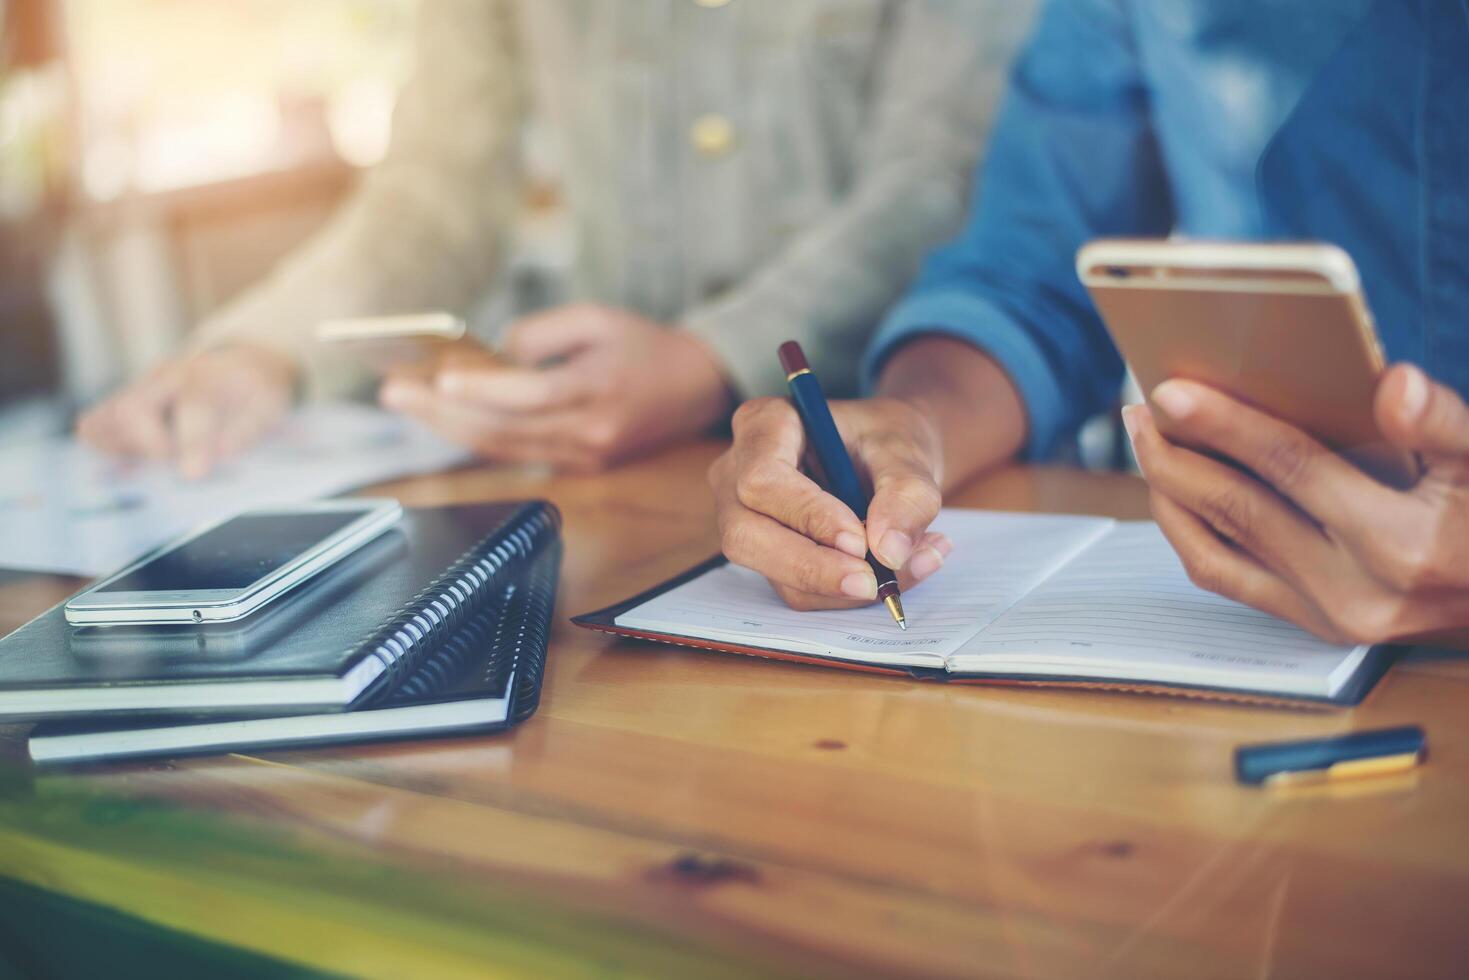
x: 211, y: 138
x: 176, y: 94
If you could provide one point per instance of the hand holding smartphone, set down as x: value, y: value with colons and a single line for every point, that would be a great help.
x: 414, y: 344
x: 1283, y: 327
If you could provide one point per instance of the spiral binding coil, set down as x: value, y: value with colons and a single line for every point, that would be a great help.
x: 438, y: 612
x: 529, y: 615
x: 506, y: 638
x: 442, y: 669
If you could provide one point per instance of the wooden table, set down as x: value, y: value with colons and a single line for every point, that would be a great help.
x: 686, y: 814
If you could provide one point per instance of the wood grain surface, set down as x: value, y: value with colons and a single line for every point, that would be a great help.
x: 678, y: 813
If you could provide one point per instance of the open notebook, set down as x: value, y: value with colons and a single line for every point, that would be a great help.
x: 1024, y: 598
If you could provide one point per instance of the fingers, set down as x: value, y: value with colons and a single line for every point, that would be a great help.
x: 775, y: 520
x: 198, y: 409
x: 905, y: 495
x: 798, y: 566
x: 1236, y: 506
x: 127, y: 426
x: 466, y: 354
x: 560, y: 439
x: 1216, y: 567
x: 557, y: 333
x: 562, y: 335
x: 1342, y: 612
x: 790, y: 560
x: 205, y: 419
x: 927, y: 558
x: 767, y: 449
x: 196, y: 424
x: 1421, y: 415
x: 524, y: 389
x: 1317, y: 480
x: 242, y: 427
x: 134, y: 422
x: 936, y: 545
x: 766, y: 479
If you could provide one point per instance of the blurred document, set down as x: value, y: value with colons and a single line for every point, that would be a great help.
x: 65, y: 508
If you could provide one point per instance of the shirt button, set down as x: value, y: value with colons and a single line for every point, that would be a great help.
x: 712, y: 135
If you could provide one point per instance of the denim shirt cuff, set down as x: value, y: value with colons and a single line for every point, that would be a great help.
x: 980, y: 323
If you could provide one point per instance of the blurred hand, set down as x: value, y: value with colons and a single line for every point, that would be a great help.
x: 196, y: 410
x: 776, y: 520
x: 586, y: 387
x: 1304, y: 534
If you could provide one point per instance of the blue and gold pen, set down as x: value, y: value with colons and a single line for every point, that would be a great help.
x: 1320, y: 760
x: 839, y: 473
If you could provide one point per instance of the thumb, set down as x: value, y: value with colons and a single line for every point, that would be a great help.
x: 1417, y: 413
x: 558, y: 333
x: 905, y: 500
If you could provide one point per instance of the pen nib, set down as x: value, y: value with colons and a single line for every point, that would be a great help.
x: 895, y: 606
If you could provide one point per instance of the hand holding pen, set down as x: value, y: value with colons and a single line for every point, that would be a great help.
x: 813, y: 548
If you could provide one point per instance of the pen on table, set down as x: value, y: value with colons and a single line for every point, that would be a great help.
x: 1321, y: 760
x: 836, y: 465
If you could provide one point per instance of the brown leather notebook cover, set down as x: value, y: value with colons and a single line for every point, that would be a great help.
x: 1362, y: 683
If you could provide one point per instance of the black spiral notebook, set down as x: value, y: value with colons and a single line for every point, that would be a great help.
x: 486, y: 676
x: 382, y: 625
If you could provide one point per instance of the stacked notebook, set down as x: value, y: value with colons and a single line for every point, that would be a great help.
x: 1024, y: 599
x: 437, y: 626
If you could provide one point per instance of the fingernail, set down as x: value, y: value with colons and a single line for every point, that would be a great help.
x: 942, y: 544
x: 1415, y: 394
x: 451, y: 384
x: 853, y: 544
x: 860, y: 585
x: 1174, y: 399
x: 894, y: 549
x: 925, y: 562
x: 1129, y: 421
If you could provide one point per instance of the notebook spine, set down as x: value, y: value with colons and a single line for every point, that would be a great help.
x: 439, y: 610
x: 531, y: 618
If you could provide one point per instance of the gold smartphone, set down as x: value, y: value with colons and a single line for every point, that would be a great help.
x: 1283, y: 327
x: 415, y: 341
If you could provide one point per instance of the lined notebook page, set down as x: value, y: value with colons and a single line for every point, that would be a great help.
x: 997, y: 558
x: 1125, y: 609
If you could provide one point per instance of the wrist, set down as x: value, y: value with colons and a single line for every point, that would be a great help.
x: 968, y: 398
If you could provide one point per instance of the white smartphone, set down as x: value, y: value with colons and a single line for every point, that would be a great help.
x: 224, y: 571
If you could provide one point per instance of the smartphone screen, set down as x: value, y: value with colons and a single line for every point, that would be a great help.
x: 234, y: 555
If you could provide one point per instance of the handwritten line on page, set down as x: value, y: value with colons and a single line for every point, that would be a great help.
x: 1029, y: 594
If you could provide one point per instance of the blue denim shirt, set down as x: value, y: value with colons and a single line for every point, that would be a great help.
x: 1344, y: 121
